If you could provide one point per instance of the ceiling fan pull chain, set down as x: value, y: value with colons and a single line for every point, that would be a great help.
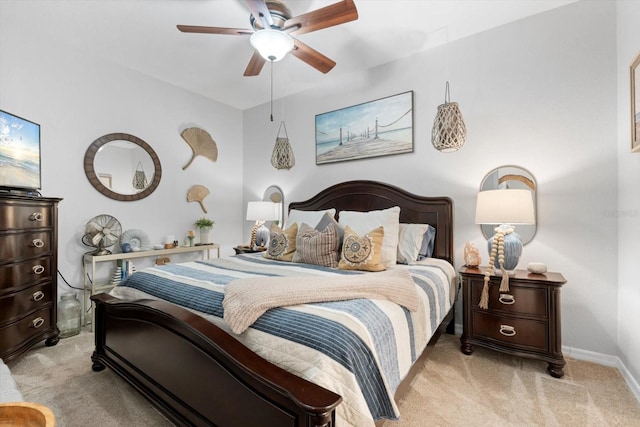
x: 271, y: 116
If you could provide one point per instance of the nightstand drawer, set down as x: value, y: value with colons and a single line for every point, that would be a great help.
x: 523, y: 333
x: 519, y: 299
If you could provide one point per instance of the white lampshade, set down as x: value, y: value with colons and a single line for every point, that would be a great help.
x: 272, y: 45
x: 262, y: 211
x: 508, y: 206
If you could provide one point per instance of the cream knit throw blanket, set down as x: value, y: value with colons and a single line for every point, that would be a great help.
x: 245, y: 300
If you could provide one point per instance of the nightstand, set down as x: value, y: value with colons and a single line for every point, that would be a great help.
x: 524, y: 321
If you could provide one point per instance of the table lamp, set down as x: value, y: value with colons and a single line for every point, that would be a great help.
x: 504, y: 208
x: 260, y: 212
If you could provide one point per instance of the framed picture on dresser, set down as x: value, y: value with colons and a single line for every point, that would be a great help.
x: 635, y: 104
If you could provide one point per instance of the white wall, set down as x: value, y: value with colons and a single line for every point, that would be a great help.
x: 77, y: 99
x: 539, y: 93
x: 628, y: 212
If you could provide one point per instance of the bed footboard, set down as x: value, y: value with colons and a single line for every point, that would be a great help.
x: 196, y: 373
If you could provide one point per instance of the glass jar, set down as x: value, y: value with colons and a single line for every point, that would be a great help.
x: 69, y: 316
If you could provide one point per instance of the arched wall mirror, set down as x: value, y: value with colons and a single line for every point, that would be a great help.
x: 274, y: 194
x: 122, y: 167
x: 510, y: 176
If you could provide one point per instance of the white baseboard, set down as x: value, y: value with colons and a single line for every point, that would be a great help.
x: 606, y: 360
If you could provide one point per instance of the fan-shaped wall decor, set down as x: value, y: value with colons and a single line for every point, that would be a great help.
x: 201, y: 144
x: 197, y: 193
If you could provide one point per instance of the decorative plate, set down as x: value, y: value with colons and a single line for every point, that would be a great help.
x: 136, y: 238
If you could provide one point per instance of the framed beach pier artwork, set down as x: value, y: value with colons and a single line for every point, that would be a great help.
x: 376, y: 128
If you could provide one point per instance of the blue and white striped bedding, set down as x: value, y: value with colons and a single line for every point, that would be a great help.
x: 360, y: 349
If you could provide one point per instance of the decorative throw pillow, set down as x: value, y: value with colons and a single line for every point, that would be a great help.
x: 362, y: 222
x: 324, y: 223
x: 410, y: 239
x: 308, y: 217
x: 362, y: 252
x: 317, y: 247
x: 428, y: 242
x: 282, y: 243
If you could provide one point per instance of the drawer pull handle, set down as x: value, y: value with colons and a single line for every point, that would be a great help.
x: 38, y: 243
x: 38, y: 295
x: 37, y: 322
x: 507, y: 299
x: 36, y: 216
x: 507, y: 331
x: 38, y: 269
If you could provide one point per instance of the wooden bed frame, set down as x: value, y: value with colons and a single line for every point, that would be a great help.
x: 197, y: 374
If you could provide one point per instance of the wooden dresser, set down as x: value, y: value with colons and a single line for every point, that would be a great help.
x: 525, y: 321
x: 28, y: 273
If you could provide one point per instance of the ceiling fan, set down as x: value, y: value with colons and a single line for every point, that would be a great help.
x: 272, y: 27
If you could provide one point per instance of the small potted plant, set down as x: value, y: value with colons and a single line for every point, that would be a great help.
x: 205, y: 225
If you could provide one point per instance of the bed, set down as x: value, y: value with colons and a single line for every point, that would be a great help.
x: 188, y: 363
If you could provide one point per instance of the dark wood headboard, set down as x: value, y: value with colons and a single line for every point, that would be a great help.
x: 371, y: 195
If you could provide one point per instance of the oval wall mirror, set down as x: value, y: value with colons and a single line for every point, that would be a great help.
x: 274, y: 194
x: 122, y: 167
x: 510, y: 176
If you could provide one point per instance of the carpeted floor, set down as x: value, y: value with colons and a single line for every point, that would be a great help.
x: 484, y: 389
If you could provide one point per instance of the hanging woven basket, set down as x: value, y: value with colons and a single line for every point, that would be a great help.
x: 449, y: 131
x: 282, y: 156
x: 139, y: 178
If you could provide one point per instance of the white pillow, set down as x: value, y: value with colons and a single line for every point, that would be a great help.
x: 311, y: 218
x: 410, y: 239
x: 363, y: 222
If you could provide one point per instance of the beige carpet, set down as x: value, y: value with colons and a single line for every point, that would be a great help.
x: 485, y: 389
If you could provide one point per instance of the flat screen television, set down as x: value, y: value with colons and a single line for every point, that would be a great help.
x: 19, y: 153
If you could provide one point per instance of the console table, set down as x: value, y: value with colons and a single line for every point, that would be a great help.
x: 92, y: 286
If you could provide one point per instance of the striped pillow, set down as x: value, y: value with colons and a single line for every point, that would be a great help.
x: 317, y: 247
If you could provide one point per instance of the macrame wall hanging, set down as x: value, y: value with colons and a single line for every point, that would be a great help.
x: 449, y: 132
x: 139, y: 178
x: 282, y: 156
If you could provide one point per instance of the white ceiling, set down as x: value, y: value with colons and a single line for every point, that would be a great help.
x: 142, y: 35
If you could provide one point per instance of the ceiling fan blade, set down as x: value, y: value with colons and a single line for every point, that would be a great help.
x: 260, y: 11
x: 328, y: 16
x: 214, y: 30
x: 312, y: 57
x: 255, y: 65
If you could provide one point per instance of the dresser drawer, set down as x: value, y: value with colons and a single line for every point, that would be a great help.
x: 519, y: 299
x: 514, y: 332
x: 25, y: 272
x: 15, y: 305
x: 21, y: 215
x: 18, y: 246
x: 16, y: 334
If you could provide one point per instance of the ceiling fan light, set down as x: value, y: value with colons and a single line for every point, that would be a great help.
x: 272, y: 45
